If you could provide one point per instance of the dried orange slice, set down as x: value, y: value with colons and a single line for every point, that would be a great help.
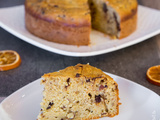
x: 153, y: 75
x: 9, y: 60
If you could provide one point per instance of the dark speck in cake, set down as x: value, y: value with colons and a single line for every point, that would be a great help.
x: 51, y: 103
x: 116, y: 87
x: 105, y: 9
x: 63, y: 107
x: 101, y: 87
x: 96, y: 78
x: 91, y: 4
x: 88, y: 110
x: 43, y: 81
x: 78, y: 75
x: 102, y: 81
x: 98, y: 98
x: 103, y: 113
x: 89, y: 94
x: 118, y: 25
x: 88, y: 80
x: 68, y: 81
x: 48, y: 107
x: 42, y: 115
x: 56, y: 6
x: 66, y: 86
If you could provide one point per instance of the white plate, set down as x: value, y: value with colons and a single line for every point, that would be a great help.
x: 12, y: 20
x: 138, y: 102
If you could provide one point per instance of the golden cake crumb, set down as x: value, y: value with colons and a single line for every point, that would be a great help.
x: 80, y: 92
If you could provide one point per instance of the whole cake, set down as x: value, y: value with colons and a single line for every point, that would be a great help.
x: 70, y: 21
x: 80, y: 92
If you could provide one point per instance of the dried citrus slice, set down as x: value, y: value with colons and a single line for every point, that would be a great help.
x: 153, y: 75
x: 9, y: 59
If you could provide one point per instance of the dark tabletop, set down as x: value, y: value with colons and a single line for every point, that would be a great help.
x: 131, y: 62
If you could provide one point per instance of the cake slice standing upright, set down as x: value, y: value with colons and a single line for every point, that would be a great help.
x: 80, y: 92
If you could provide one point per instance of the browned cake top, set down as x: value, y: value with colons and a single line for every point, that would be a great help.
x: 74, y: 12
x: 126, y: 8
x: 78, y: 71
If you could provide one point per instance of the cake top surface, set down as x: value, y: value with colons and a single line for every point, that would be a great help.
x: 125, y: 8
x: 76, y: 12
x: 70, y: 11
x: 79, y: 70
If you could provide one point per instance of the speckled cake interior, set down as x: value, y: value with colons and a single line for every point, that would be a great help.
x: 78, y: 92
x: 104, y: 18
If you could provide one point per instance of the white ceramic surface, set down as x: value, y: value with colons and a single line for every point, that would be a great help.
x: 138, y: 102
x: 12, y: 20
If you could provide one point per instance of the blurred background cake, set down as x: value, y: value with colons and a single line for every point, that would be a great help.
x: 70, y: 21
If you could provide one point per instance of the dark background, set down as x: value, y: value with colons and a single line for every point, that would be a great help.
x: 131, y: 62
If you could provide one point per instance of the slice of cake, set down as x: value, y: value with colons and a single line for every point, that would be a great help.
x: 80, y: 92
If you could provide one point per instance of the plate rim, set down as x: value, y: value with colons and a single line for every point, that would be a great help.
x: 77, y: 54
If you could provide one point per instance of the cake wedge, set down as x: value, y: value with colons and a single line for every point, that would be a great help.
x: 80, y: 92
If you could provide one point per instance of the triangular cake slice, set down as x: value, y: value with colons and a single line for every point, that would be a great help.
x: 80, y: 92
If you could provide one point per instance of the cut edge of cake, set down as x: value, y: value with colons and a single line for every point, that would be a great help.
x: 66, y: 84
x: 114, y: 19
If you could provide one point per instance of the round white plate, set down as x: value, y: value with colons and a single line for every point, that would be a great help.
x: 138, y: 102
x: 12, y: 20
